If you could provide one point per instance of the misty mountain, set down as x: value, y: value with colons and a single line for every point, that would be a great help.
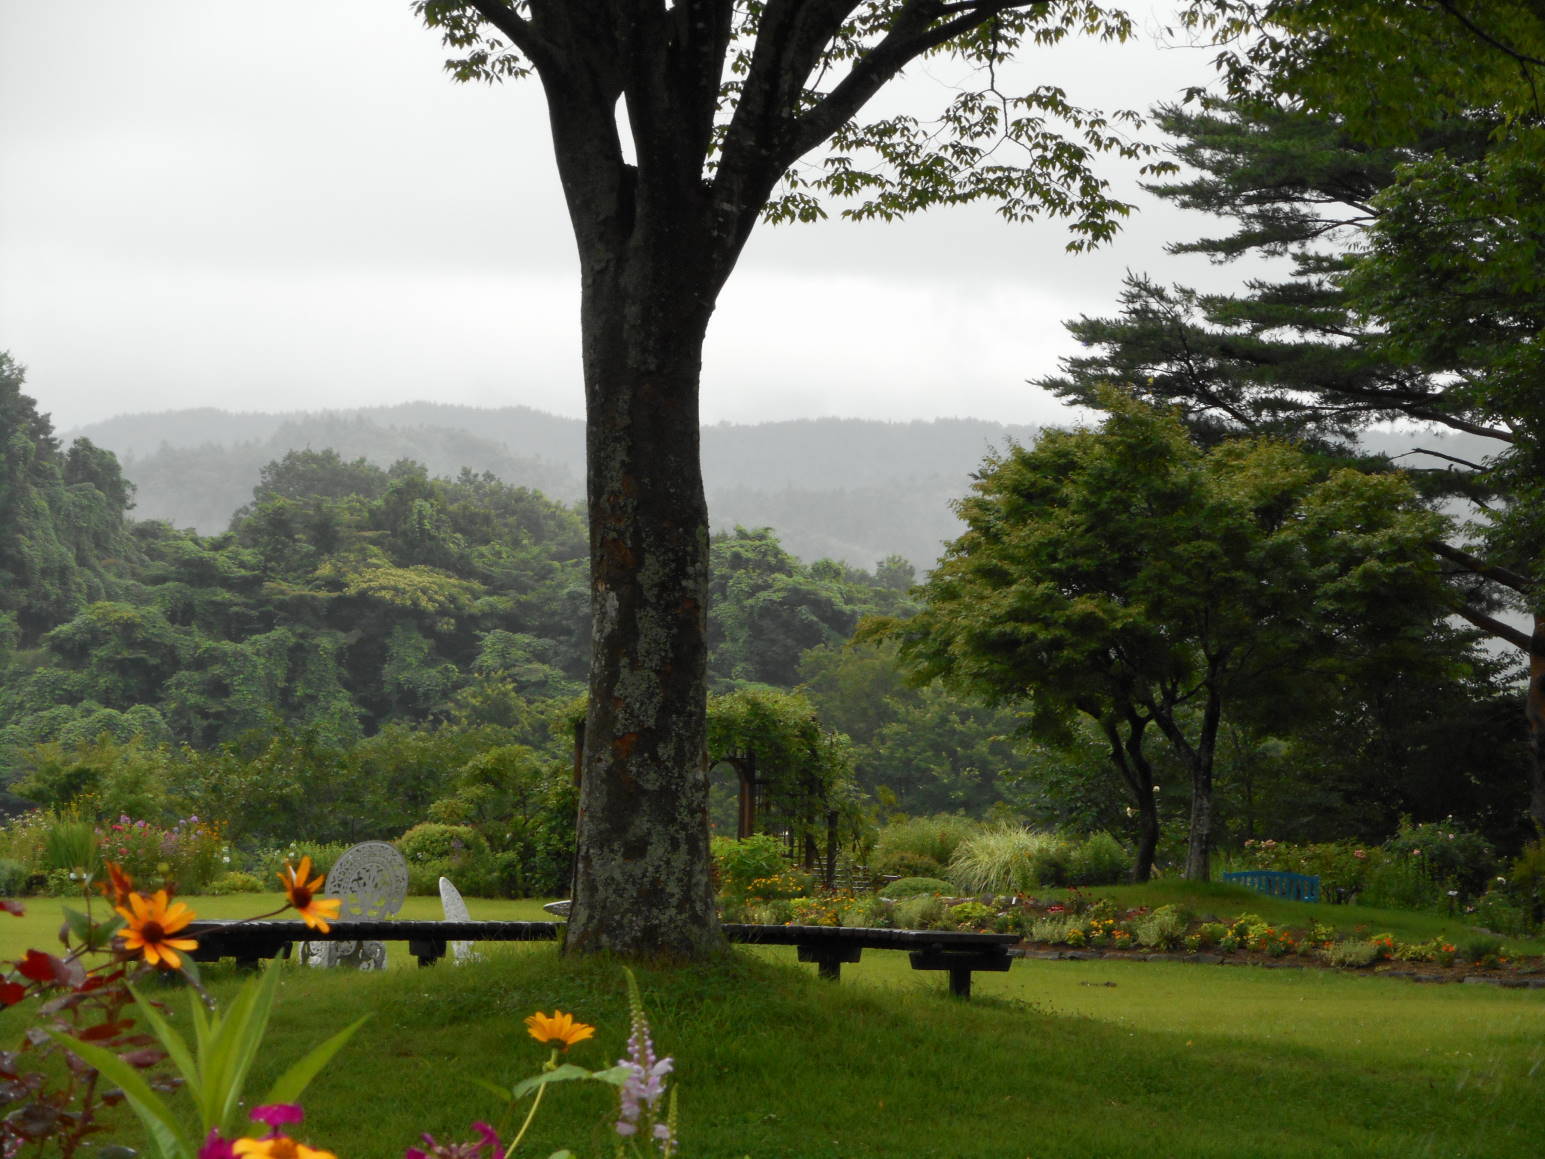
x: 847, y: 489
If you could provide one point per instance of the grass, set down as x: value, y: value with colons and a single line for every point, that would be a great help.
x: 1101, y: 1058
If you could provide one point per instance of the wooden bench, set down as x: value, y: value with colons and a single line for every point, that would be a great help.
x: 958, y: 953
x: 831, y: 947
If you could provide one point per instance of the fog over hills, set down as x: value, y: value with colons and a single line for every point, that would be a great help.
x: 848, y: 489
x: 855, y: 490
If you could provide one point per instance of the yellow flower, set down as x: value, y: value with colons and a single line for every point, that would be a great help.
x: 560, y: 1029
x: 281, y: 1147
x: 151, y: 925
x: 316, y: 911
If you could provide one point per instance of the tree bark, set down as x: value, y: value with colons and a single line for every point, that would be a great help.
x: 1126, y: 753
x: 1535, y: 709
x: 1200, y: 758
x: 642, y: 884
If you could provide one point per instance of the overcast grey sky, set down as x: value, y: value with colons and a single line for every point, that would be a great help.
x: 288, y: 205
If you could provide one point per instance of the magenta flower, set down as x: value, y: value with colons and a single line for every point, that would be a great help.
x: 276, y: 1115
x: 489, y: 1142
x: 216, y: 1147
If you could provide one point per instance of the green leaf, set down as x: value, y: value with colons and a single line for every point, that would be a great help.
x: 288, y: 1087
x: 568, y: 1072
x: 90, y: 934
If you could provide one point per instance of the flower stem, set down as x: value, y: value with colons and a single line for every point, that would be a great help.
x: 535, y: 1103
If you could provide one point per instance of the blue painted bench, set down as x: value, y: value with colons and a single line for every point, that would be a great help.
x: 1292, y: 886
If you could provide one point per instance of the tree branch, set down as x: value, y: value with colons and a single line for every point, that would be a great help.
x: 1478, y: 566
x: 1507, y: 50
x: 518, y: 29
x: 907, y: 40
x: 1494, y: 627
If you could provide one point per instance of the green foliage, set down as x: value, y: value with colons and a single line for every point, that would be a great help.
x: 920, y: 912
x: 970, y: 915
x: 1009, y: 859
x: 1098, y: 859
x: 234, y: 882
x: 741, y: 863
x: 433, y: 842
x: 916, y: 886
x: 1128, y: 573
x: 1353, y: 953
x: 805, y: 771
x: 1162, y: 929
x: 920, y: 846
x: 1453, y: 857
x: 71, y: 845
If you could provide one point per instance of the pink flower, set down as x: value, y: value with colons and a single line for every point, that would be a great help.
x: 276, y: 1115
x: 216, y: 1147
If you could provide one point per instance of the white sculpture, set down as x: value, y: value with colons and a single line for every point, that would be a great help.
x: 371, y: 880
x: 456, y: 911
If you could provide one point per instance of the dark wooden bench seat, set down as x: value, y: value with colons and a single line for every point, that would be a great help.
x: 829, y: 947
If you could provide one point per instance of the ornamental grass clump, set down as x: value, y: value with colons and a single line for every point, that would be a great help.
x: 1008, y: 859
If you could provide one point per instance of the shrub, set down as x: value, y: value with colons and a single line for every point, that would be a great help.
x: 1052, y: 928
x: 777, y: 912
x: 912, y: 886
x: 1098, y: 859
x: 234, y: 882
x: 923, y: 912
x: 740, y: 861
x: 1211, y: 933
x: 790, y: 881
x: 1353, y: 953
x: 1399, y: 883
x: 815, y: 911
x: 1009, y: 859
x: 1454, y: 857
x: 865, y: 910
x: 970, y: 915
x: 189, y: 852
x: 1482, y: 949
x: 908, y: 864
x: 13, y: 877
x: 433, y: 841
x: 1162, y: 929
x: 920, y: 846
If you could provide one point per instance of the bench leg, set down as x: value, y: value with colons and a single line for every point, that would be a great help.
x: 960, y: 982
x: 829, y: 959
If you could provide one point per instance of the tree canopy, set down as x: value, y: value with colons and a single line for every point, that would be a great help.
x: 732, y: 114
x: 1128, y: 574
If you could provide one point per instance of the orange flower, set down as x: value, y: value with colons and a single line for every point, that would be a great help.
x: 151, y: 925
x: 317, y: 911
x: 278, y: 1147
x: 560, y: 1029
x: 118, y: 886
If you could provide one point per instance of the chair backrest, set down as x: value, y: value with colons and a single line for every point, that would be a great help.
x: 456, y: 911
x: 371, y: 879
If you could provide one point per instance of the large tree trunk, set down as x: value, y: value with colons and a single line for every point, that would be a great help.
x: 642, y: 873
x: 1536, y: 714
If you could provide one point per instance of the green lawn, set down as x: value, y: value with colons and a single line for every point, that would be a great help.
x: 1101, y: 1058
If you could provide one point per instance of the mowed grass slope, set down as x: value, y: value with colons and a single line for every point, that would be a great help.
x: 1101, y: 1058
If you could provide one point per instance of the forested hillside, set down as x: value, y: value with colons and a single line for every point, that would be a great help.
x: 845, y: 489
